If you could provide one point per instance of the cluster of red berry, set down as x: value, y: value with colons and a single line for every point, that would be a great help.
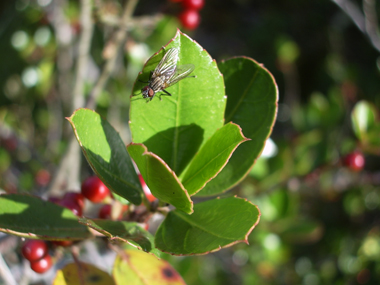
x: 95, y: 191
x: 190, y: 17
x: 36, y: 251
x: 92, y: 188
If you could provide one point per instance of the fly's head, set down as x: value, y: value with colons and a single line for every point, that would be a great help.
x: 148, y: 92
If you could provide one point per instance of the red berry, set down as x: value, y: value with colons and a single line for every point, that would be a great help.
x: 72, y: 205
x: 105, y: 212
x: 42, y: 265
x: 190, y: 19
x: 193, y: 4
x: 94, y: 189
x: 354, y: 160
x: 146, y: 189
x: 34, y: 249
x: 42, y: 177
x: 76, y: 197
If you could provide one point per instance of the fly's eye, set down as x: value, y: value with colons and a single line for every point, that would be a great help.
x: 145, y: 91
x: 150, y: 93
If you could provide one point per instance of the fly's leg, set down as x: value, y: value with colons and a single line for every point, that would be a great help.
x: 167, y: 94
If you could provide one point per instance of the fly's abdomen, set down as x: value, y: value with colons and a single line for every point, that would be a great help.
x: 157, y: 84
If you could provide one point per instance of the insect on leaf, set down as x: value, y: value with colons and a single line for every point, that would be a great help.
x: 180, y: 73
x: 166, y: 74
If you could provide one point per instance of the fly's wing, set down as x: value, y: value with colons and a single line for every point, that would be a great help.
x: 167, y: 65
x: 180, y: 73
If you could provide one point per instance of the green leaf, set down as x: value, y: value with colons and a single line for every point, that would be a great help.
x: 363, y: 117
x: 211, y: 158
x: 252, y: 104
x: 128, y: 232
x: 214, y: 224
x: 31, y: 217
x: 161, y: 180
x: 106, y: 154
x: 176, y: 127
x: 138, y: 268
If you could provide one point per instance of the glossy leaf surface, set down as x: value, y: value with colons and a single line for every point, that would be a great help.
x: 175, y: 127
x: 214, y: 224
x: 125, y: 231
x: 32, y: 217
x: 252, y: 104
x: 212, y: 157
x: 161, y: 180
x: 106, y: 153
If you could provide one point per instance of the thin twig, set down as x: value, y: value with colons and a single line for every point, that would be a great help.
x: 74, y: 161
x: 142, y: 22
x: 87, y: 28
x: 6, y: 273
x: 371, y: 22
x: 69, y: 169
x: 117, y: 40
x: 367, y: 26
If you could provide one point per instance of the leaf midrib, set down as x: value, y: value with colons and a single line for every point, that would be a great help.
x: 205, y: 165
x: 193, y: 224
x: 234, y: 110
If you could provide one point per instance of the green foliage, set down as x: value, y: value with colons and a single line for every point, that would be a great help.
x: 128, y: 232
x: 366, y: 125
x: 31, y: 217
x: 252, y: 104
x: 192, y: 114
x: 180, y: 144
x: 215, y: 224
x: 319, y: 219
x: 162, y: 181
x: 106, y: 154
x: 212, y: 157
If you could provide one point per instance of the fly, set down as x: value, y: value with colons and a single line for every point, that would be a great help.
x: 166, y: 74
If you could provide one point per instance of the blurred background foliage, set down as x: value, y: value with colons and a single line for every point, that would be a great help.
x: 320, y: 220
